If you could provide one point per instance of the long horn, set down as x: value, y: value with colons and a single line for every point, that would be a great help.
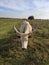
x: 20, y: 32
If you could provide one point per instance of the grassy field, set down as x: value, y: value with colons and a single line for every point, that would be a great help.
x: 10, y: 46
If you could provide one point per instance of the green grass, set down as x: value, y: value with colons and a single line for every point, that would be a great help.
x: 10, y: 46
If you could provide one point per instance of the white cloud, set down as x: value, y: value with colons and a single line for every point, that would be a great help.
x: 10, y: 4
x: 41, y: 3
x: 14, y: 4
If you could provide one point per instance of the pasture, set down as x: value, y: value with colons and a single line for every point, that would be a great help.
x: 10, y: 45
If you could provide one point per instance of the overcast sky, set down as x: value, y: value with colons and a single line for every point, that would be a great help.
x: 24, y: 8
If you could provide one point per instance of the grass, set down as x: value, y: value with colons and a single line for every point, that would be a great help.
x: 10, y: 47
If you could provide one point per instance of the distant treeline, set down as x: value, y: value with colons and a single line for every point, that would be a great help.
x: 24, y: 19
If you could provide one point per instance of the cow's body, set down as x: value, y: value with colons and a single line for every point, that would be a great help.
x: 27, y: 29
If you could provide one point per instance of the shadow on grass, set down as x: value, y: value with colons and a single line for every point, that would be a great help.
x: 9, y: 43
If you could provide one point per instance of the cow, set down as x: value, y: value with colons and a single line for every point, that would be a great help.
x: 25, y: 31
